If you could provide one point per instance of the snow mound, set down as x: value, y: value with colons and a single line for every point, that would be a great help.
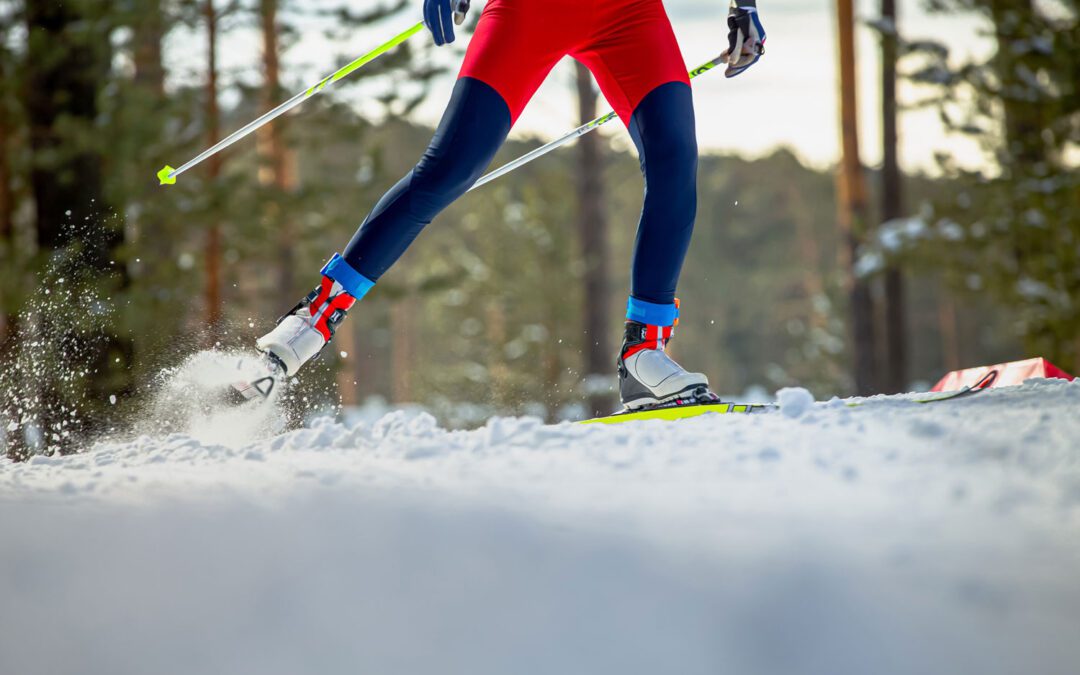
x: 794, y: 401
x: 887, y: 538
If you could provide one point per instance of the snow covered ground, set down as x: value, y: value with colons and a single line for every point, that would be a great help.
x: 889, y: 538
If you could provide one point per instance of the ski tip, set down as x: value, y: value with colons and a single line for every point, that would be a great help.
x: 166, y: 175
x: 243, y: 391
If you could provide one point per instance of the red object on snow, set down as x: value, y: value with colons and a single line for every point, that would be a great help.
x: 1008, y: 374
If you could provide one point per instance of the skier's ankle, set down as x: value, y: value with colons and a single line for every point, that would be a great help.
x: 352, y: 281
x: 327, y: 307
x: 302, y: 333
x: 340, y: 288
x: 641, y: 336
x: 648, y: 326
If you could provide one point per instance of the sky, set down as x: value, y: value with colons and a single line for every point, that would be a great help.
x: 788, y: 99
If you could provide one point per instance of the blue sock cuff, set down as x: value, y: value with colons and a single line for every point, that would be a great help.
x: 651, y: 313
x: 354, y: 283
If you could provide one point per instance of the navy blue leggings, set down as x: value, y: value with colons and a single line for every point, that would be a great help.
x: 472, y: 130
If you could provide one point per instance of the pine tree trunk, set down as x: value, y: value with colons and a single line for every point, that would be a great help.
x: 142, y: 115
x: 7, y: 197
x: 853, y: 207
x: 7, y: 221
x: 213, y: 166
x: 149, y: 30
x: 892, y: 207
x: 277, y: 170
x: 593, y: 229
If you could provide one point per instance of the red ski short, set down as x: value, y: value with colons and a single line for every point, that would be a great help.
x: 627, y: 44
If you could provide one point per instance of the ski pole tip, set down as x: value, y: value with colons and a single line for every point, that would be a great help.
x: 166, y: 175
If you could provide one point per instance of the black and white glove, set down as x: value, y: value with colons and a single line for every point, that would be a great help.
x: 437, y: 15
x: 461, y: 8
x: 746, y: 37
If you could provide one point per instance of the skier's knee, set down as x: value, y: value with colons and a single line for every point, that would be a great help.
x: 438, y: 178
x: 470, y: 133
x: 670, y: 167
x: 672, y: 155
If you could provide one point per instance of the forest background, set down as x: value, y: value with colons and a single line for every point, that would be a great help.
x: 844, y: 279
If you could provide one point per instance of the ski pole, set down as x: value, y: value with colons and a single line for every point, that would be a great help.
x: 576, y: 133
x: 168, y: 175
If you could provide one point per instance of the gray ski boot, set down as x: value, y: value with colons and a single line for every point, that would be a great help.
x: 648, y: 376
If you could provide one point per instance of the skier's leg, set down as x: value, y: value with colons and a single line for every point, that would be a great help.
x: 639, y: 67
x: 662, y: 128
x: 514, y: 47
x: 473, y: 127
x: 471, y: 131
x: 641, y: 72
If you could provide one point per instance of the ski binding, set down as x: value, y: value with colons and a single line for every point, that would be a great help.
x: 257, y: 388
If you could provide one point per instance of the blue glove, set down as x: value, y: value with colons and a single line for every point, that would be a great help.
x: 746, y: 37
x: 440, y: 17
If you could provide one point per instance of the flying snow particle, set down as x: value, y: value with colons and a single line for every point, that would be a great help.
x: 112, y: 399
x: 344, y: 355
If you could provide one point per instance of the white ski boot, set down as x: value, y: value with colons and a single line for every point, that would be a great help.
x: 302, y: 333
x: 649, y: 377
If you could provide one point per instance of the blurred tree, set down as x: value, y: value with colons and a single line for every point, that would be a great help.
x: 894, y: 371
x: 1013, y: 229
x: 853, y: 212
x: 592, y: 218
x: 212, y: 250
x: 7, y: 193
x: 142, y: 124
x: 77, y: 357
x: 148, y: 31
x: 277, y: 170
x: 65, y: 71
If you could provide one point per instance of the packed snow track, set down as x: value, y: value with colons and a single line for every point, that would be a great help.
x: 887, y: 538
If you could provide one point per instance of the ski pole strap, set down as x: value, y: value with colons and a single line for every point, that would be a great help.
x: 651, y: 313
x: 354, y: 283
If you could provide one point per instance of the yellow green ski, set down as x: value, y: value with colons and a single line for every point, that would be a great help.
x: 679, y: 412
x: 687, y: 408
